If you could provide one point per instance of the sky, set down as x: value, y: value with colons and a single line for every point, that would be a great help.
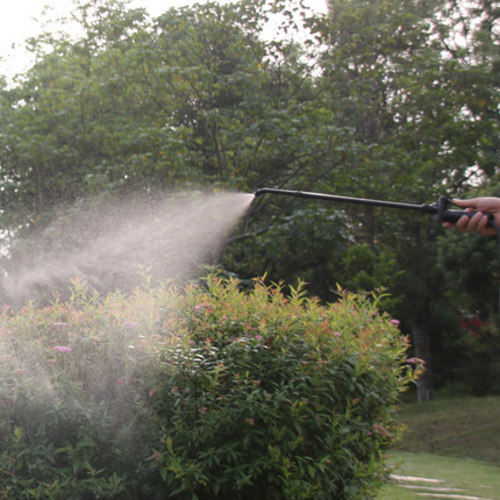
x: 20, y: 19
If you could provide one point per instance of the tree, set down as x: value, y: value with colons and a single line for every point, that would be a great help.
x: 64, y: 112
x: 195, y: 96
x: 419, y: 111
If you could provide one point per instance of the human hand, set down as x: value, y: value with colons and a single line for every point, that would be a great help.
x: 479, y: 222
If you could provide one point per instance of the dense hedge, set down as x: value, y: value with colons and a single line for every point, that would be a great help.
x: 205, y: 392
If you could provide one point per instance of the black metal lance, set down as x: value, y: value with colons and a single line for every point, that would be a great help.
x: 439, y: 209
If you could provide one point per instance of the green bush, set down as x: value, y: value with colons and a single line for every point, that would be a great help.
x: 205, y: 392
x: 70, y: 427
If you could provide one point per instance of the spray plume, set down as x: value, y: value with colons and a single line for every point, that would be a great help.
x: 108, y: 246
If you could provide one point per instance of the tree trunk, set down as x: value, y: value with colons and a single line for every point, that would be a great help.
x: 369, y: 221
x: 421, y: 341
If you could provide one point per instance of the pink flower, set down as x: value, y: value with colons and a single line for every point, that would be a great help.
x: 123, y: 380
x: 130, y: 324
x: 394, y: 322
x: 259, y: 337
x: 415, y: 361
x: 61, y: 348
x: 337, y: 334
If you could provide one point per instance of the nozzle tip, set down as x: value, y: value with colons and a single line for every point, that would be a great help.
x: 261, y: 191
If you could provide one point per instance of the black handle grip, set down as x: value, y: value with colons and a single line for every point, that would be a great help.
x: 453, y: 216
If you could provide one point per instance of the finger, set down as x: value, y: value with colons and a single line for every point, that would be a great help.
x: 472, y: 203
x: 483, y: 222
x: 474, y: 222
x: 484, y: 228
x: 463, y: 223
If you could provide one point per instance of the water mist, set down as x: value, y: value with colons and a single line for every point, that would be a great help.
x: 108, y: 246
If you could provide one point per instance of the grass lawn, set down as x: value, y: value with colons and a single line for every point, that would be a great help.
x: 459, y: 476
x: 455, y: 441
x: 459, y: 427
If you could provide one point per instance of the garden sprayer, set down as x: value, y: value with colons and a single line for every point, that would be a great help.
x: 439, y: 210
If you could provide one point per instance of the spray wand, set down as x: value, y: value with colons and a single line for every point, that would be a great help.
x: 439, y: 210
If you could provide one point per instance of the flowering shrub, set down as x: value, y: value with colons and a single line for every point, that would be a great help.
x: 205, y: 392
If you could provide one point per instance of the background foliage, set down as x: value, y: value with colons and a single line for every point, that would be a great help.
x: 383, y: 99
